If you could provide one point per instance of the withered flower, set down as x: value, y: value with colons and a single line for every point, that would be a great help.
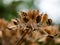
x: 29, y: 26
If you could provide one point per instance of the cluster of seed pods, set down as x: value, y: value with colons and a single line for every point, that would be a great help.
x: 28, y: 27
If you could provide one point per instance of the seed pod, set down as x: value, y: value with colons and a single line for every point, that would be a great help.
x: 29, y: 13
x: 15, y: 22
x: 49, y: 30
x: 49, y: 21
x: 44, y: 19
x: 29, y: 26
x: 25, y: 19
x: 35, y: 13
x: 23, y: 13
x: 38, y: 19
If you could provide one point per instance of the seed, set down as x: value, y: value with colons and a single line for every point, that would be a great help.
x: 38, y: 19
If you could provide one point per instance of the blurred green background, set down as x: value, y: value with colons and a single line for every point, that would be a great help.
x: 9, y: 9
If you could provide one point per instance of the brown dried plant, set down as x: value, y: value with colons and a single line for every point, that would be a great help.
x: 28, y: 28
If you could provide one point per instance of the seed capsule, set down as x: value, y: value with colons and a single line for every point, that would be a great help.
x: 49, y: 21
x: 23, y: 13
x: 44, y: 19
x: 29, y: 13
x: 25, y: 19
x: 38, y: 19
x: 15, y: 21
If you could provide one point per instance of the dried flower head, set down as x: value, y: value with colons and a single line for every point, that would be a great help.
x: 29, y: 27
